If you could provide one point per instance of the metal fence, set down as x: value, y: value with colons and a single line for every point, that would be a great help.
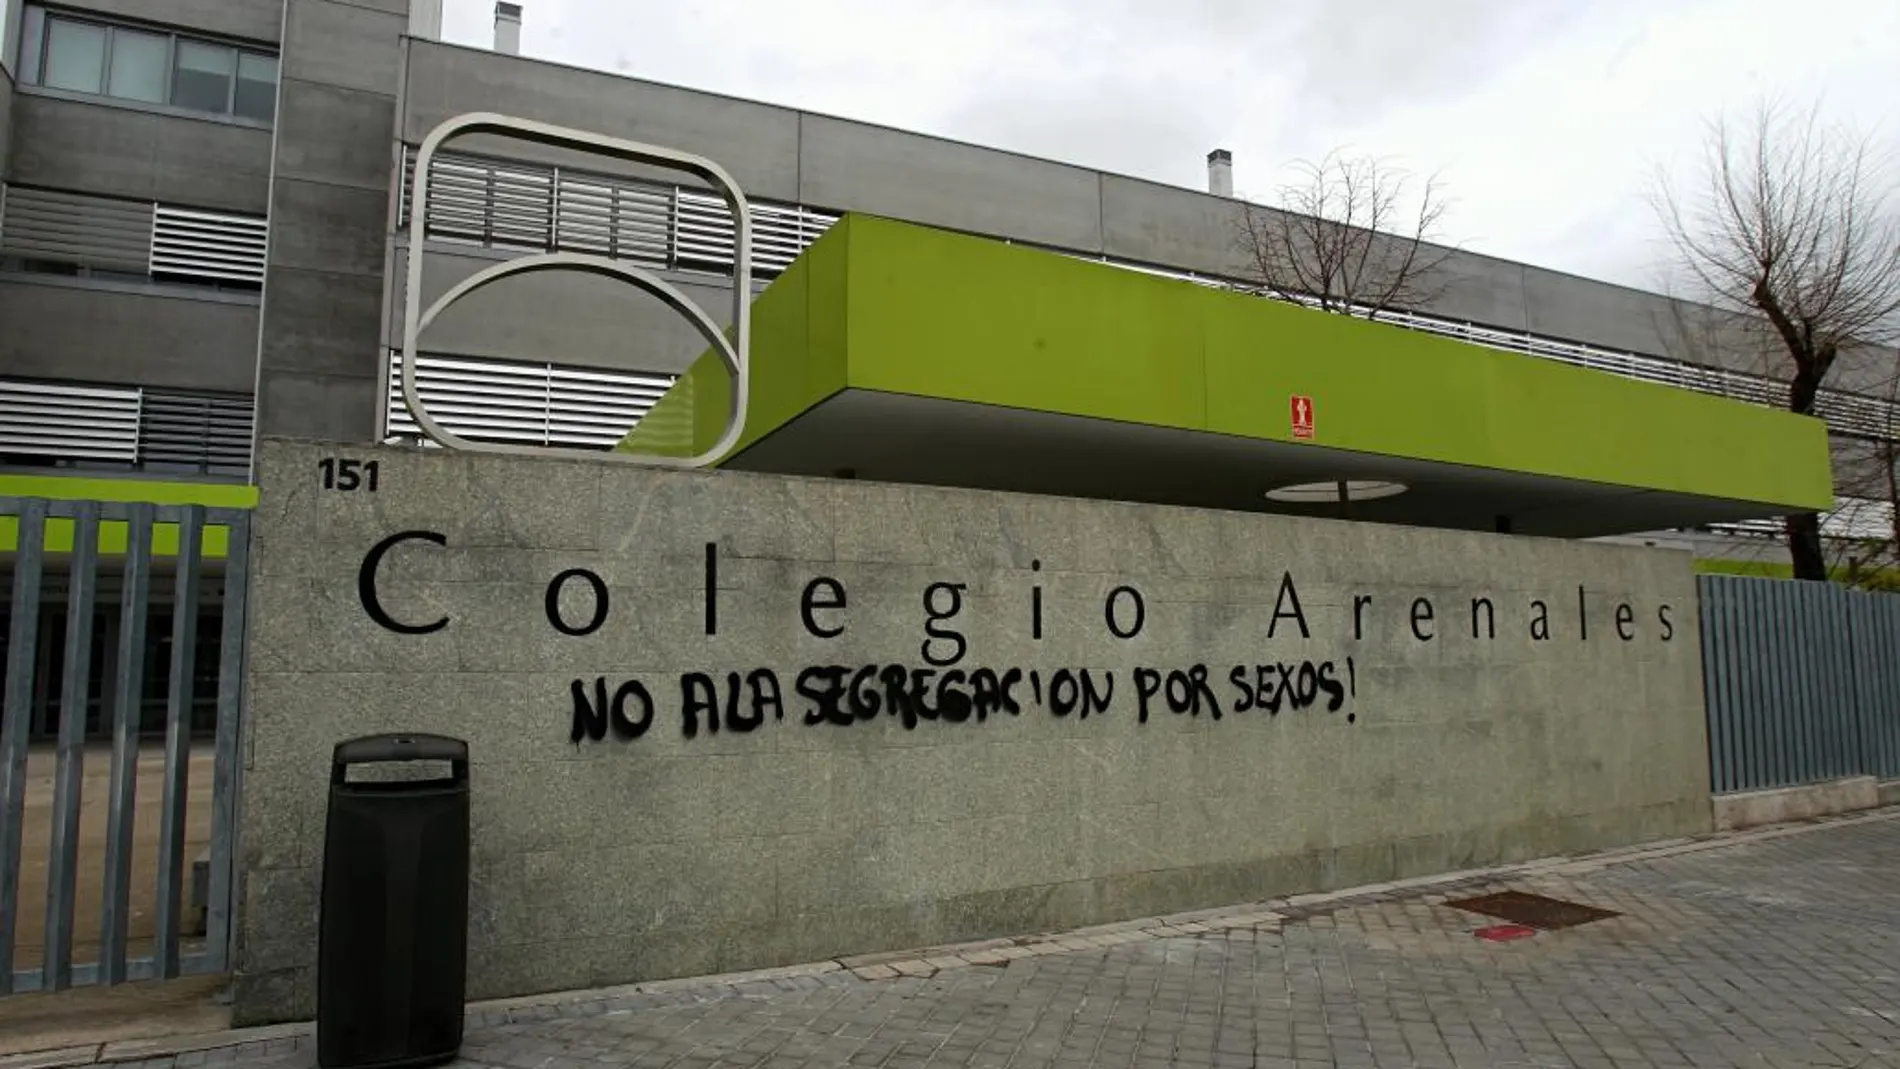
x: 166, y: 665
x: 1802, y: 682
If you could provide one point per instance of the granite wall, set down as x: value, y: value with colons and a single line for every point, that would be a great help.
x: 771, y: 720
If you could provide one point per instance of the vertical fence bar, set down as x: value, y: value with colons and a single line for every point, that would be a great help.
x: 1798, y: 636
x: 1761, y: 625
x: 1720, y: 667
x: 1712, y: 676
x: 1729, y: 682
x: 1840, y: 713
x: 22, y: 643
x: 171, y: 830
x: 1885, y: 702
x: 1888, y: 653
x: 1741, y: 659
x: 75, y: 692
x: 1722, y: 626
x: 1754, y: 767
x: 129, y: 703
x: 1871, y: 692
x: 1880, y: 650
x: 1844, y: 671
x: 1773, y: 620
x: 224, y: 775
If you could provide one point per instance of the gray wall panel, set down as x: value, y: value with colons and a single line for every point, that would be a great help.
x: 1159, y: 224
x: 775, y: 840
x: 318, y: 349
x: 67, y: 332
x: 254, y: 20
x: 1481, y: 290
x: 6, y: 116
x: 333, y: 408
x: 1565, y: 306
x: 756, y: 143
x: 847, y: 165
x: 322, y: 227
x: 567, y: 318
x: 306, y: 308
x: 331, y: 134
x: 343, y: 45
x: 114, y: 151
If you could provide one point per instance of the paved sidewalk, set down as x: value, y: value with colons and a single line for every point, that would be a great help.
x: 1773, y: 950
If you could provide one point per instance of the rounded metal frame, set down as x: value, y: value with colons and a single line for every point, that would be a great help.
x: 733, y: 352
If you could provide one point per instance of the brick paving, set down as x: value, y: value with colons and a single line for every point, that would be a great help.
x: 1775, y: 950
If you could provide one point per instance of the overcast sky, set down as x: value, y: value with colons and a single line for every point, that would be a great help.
x: 1545, y: 118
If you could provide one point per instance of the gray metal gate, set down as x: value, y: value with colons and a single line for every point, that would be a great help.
x: 1802, y: 682
x: 74, y: 603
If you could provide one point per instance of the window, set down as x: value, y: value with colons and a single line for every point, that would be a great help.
x: 99, y: 59
x: 75, y: 55
x: 202, y: 80
x: 256, y: 87
x: 138, y: 66
x: 33, y: 27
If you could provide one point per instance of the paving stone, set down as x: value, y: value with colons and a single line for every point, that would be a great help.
x: 1761, y: 951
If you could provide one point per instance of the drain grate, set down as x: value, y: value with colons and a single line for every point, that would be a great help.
x: 1532, y: 911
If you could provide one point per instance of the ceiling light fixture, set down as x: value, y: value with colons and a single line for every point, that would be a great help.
x: 1336, y: 491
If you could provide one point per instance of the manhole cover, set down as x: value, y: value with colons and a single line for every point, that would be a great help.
x: 1534, y: 911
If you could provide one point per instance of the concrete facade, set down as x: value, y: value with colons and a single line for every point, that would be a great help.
x: 83, y: 146
x: 259, y: 21
x: 6, y: 117
x: 128, y: 334
x: 318, y: 362
x: 566, y: 319
x: 1788, y: 804
x: 839, y: 165
x: 1405, y: 739
x: 355, y: 92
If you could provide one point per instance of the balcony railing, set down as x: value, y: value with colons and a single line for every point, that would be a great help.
x: 117, y: 427
x: 527, y: 402
x: 79, y: 233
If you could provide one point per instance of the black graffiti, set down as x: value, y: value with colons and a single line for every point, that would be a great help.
x: 1070, y: 691
x: 592, y: 715
x: 845, y: 695
x: 700, y: 698
x: 1292, y: 685
x: 1185, y: 690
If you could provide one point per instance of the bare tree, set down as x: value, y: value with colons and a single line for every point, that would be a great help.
x: 1788, y: 225
x: 1349, y: 236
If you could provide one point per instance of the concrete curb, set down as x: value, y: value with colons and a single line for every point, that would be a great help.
x: 928, y: 961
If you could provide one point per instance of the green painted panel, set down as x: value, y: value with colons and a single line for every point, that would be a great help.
x: 1384, y: 389
x: 898, y: 308
x: 798, y: 359
x: 215, y: 543
x: 961, y: 318
x: 936, y: 314
x: 112, y: 534
x: 80, y: 488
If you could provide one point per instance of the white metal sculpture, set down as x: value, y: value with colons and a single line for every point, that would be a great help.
x: 733, y: 351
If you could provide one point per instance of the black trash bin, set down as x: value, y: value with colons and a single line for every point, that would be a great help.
x: 392, y: 945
